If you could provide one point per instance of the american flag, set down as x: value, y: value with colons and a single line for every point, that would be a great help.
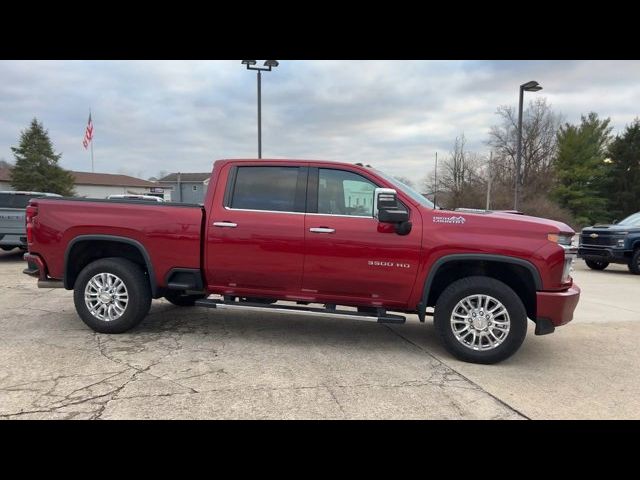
x: 88, y: 134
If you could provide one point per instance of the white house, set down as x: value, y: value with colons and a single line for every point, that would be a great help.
x: 100, y: 185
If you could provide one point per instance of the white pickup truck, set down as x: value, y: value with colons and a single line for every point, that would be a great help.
x: 12, y: 226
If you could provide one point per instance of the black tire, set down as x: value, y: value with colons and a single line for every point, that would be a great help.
x: 6, y: 248
x: 634, y: 263
x: 138, y: 292
x: 465, y: 287
x: 179, y: 298
x: 596, y: 264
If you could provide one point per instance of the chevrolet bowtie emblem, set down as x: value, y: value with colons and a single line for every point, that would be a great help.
x: 594, y: 235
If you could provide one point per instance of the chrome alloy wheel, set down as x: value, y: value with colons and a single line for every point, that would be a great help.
x: 480, y: 322
x: 106, y: 296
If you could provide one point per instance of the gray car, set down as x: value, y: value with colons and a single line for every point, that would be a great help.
x: 12, y: 208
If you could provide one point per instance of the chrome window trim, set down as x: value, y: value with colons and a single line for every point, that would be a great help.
x: 263, y: 211
x: 339, y: 215
x: 294, y: 213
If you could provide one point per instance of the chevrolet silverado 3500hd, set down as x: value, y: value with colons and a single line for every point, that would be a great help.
x: 310, y: 232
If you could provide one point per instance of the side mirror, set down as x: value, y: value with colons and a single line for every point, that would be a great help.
x: 387, y: 210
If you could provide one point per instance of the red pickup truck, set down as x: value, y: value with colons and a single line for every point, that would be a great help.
x: 319, y: 236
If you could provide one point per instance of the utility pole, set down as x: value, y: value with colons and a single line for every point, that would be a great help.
x: 489, y: 181
x: 435, y: 181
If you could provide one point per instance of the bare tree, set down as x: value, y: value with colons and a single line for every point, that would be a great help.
x: 460, y: 181
x: 460, y: 177
x: 404, y: 180
x: 540, y: 126
x: 5, y: 164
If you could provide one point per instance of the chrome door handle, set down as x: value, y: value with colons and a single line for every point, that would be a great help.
x: 322, y: 230
x: 225, y: 224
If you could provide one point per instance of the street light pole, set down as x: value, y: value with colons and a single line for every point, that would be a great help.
x: 519, y: 151
x: 259, y: 114
x: 490, y: 179
x: 268, y: 66
x: 531, y: 86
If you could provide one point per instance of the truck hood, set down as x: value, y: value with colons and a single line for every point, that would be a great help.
x: 611, y: 228
x: 508, y: 221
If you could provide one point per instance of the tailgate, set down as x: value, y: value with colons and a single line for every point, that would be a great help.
x: 12, y: 208
x: 11, y: 221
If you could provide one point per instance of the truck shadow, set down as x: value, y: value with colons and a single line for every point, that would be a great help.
x: 611, y: 271
x: 12, y: 256
x: 273, y: 332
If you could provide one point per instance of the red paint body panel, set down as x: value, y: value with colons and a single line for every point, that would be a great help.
x: 273, y: 254
x: 558, y: 306
x: 338, y: 264
x: 171, y: 235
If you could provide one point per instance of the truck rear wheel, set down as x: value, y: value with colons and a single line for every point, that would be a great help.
x: 112, y: 295
x: 480, y: 320
x: 179, y: 298
x: 596, y: 264
x: 634, y: 263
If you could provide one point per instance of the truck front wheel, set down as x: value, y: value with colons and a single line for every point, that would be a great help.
x: 480, y: 320
x: 112, y: 295
x: 634, y: 263
x: 596, y: 264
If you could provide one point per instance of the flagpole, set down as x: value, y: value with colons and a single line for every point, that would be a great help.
x: 91, y: 142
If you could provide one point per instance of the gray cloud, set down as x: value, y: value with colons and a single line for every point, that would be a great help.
x: 182, y: 115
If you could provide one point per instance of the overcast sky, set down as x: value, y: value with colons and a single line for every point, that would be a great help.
x: 181, y: 115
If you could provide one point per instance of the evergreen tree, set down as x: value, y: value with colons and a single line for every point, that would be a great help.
x: 580, y: 169
x: 36, y: 167
x: 623, y: 173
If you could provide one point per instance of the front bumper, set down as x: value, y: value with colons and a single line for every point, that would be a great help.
x: 557, y: 308
x: 605, y: 254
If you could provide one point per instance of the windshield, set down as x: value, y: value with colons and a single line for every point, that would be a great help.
x: 418, y: 197
x: 631, y: 220
x: 13, y: 200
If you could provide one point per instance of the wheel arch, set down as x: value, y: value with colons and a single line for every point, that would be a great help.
x: 522, y: 276
x: 105, y: 246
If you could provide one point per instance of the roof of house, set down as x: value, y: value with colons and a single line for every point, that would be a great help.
x: 5, y: 174
x: 109, y: 179
x: 88, y: 178
x: 186, y: 177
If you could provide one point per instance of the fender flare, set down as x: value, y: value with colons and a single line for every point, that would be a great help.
x: 111, y: 238
x: 457, y: 257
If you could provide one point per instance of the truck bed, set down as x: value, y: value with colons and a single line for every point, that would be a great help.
x: 170, y: 232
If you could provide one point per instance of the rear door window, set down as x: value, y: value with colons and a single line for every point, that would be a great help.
x: 271, y: 188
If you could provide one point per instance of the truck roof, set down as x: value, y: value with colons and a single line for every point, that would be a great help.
x: 287, y: 161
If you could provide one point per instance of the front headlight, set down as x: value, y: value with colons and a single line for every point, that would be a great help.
x: 565, y: 241
x: 569, y: 259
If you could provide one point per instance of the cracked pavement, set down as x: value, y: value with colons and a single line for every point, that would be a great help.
x: 194, y: 363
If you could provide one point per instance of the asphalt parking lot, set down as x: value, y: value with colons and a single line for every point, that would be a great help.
x: 199, y: 363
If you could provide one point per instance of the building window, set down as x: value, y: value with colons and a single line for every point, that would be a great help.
x: 195, y: 188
